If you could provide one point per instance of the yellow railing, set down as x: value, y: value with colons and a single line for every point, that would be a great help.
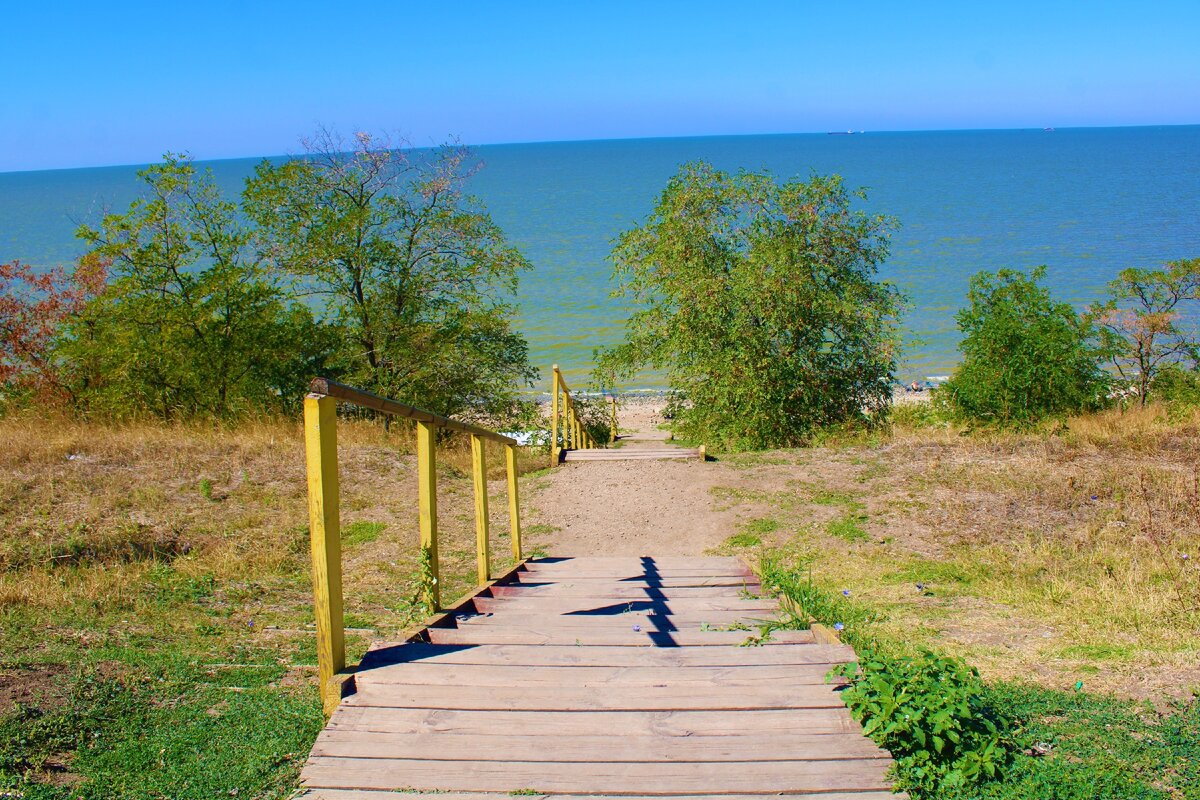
x: 320, y: 436
x: 567, y: 431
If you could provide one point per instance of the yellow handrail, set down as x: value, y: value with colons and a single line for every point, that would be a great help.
x: 564, y: 415
x: 320, y: 436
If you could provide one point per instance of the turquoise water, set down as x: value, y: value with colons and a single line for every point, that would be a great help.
x: 1085, y: 202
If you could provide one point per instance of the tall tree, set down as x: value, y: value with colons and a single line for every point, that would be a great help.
x: 760, y: 300
x: 415, y: 272
x: 1150, y: 322
x: 190, y: 323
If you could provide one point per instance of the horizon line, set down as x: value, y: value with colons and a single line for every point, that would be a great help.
x: 529, y: 142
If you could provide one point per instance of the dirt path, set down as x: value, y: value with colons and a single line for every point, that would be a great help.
x: 631, y: 507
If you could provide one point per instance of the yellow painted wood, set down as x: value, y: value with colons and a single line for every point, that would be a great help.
x: 554, y: 412
x: 427, y: 501
x: 514, y: 501
x: 483, y: 562
x: 320, y: 444
x: 612, y: 428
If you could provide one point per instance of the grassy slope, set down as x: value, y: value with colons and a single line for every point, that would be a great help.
x: 1051, y: 560
x: 155, y: 622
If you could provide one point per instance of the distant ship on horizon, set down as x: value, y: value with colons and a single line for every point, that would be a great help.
x: 842, y: 133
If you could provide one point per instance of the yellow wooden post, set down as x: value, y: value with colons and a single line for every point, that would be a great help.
x: 514, y: 502
x: 427, y: 501
x: 320, y: 444
x: 554, y: 416
x: 612, y: 428
x: 479, y: 467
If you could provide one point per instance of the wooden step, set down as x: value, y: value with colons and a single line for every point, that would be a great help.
x: 715, y: 777
x: 669, y: 697
x: 598, y: 677
x: 632, y: 454
x: 584, y: 636
x: 516, y: 746
x: 611, y: 656
x: 597, y: 606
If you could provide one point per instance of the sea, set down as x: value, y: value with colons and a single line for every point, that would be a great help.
x: 1084, y: 202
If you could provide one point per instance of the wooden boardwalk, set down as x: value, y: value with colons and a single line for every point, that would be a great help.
x: 598, y: 677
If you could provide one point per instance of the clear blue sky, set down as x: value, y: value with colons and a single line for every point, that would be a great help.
x: 120, y: 82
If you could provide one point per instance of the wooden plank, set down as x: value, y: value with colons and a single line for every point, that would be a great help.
x: 782, y: 722
x: 651, y: 622
x: 560, y: 655
x: 617, y: 591
x: 533, y: 580
x: 372, y: 794
x: 758, y: 777
x: 580, y: 605
x: 660, y: 562
x: 634, y: 572
x: 586, y: 748
x: 657, y: 621
x: 709, y: 678
x: 592, y: 698
x: 585, y: 636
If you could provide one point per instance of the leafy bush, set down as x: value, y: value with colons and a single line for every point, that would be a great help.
x: 760, y: 302
x: 1176, y: 385
x: 1025, y: 356
x: 931, y: 713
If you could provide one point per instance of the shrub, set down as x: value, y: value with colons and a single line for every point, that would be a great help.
x: 760, y: 301
x: 930, y: 712
x: 1025, y: 356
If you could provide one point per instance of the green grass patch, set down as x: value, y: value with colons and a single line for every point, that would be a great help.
x: 849, y: 528
x: 930, y: 573
x: 362, y: 532
x: 1098, y: 652
x: 956, y: 737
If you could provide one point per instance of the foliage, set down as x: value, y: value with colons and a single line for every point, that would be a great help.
x: 1045, y: 743
x: 930, y: 712
x: 1143, y: 323
x: 416, y: 274
x: 1175, y: 385
x: 190, y: 324
x: 1025, y: 356
x: 32, y: 307
x: 759, y: 301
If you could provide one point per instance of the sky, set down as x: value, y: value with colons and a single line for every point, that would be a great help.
x: 91, y: 84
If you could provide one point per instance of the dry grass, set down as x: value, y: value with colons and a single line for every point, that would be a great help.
x: 1054, y: 556
x: 150, y: 529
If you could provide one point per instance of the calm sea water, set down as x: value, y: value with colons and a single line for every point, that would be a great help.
x: 1085, y: 202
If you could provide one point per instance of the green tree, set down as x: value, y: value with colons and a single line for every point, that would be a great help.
x: 416, y: 273
x: 189, y: 324
x: 1025, y: 356
x: 760, y: 302
x: 1149, y: 322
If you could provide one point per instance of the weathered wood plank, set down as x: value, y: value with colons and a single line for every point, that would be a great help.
x: 566, y: 655
x: 375, y: 794
x: 584, y: 698
x: 614, y: 723
x: 585, y: 748
x: 618, y: 591
x: 585, y: 636
x: 557, y: 571
x: 436, y: 674
x: 758, y: 777
x: 644, y: 618
x: 582, y: 606
x: 538, y: 579
x: 660, y: 562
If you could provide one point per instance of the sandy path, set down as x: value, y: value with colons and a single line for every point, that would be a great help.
x: 631, y: 507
